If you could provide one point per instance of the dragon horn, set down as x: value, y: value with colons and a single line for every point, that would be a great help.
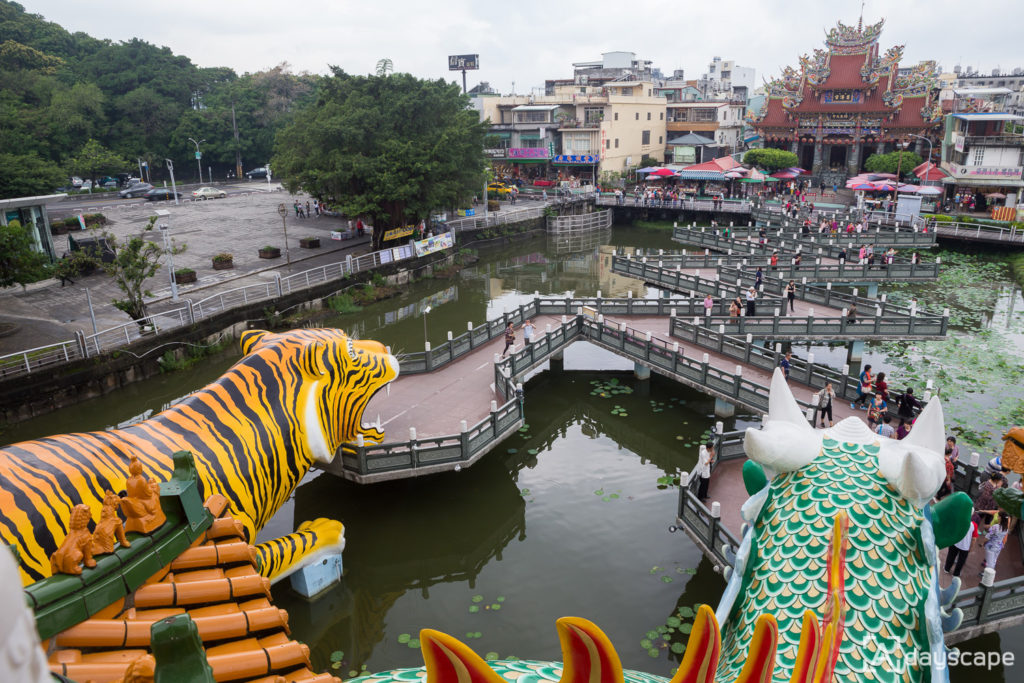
x: 807, y: 653
x: 587, y: 654
x: 929, y: 430
x: 702, y: 650
x: 761, y: 659
x: 449, y: 660
x: 781, y: 404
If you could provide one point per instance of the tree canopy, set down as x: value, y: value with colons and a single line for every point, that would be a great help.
x: 58, y: 90
x: 392, y: 149
x: 892, y: 163
x: 771, y: 159
x: 20, y: 261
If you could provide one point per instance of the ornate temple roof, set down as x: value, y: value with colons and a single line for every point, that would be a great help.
x: 853, y: 76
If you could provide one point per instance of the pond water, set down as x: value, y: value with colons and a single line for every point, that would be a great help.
x: 571, y: 515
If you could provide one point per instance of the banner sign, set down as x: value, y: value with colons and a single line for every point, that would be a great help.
x: 495, y: 153
x: 958, y: 142
x: 528, y: 153
x: 463, y: 62
x: 466, y: 212
x: 396, y: 233
x: 575, y: 159
x: 435, y: 243
x: 1013, y: 172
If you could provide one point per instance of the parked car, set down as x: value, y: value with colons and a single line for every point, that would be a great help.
x: 498, y: 189
x: 86, y: 185
x: 208, y: 193
x: 161, y: 194
x: 136, y: 190
x: 260, y: 172
x: 76, y: 182
x: 110, y: 183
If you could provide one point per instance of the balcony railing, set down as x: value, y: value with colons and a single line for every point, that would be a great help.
x: 996, y: 140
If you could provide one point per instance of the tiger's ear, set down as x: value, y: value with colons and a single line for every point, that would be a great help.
x: 312, y: 358
x: 249, y: 339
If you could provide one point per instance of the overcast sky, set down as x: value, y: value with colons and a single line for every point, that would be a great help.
x: 525, y: 42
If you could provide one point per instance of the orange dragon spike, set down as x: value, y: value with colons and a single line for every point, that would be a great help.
x: 807, y: 653
x: 702, y: 650
x: 588, y: 655
x: 448, y: 660
x: 761, y: 659
x: 835, y: 606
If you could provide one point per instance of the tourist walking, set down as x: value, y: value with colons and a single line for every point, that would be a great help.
x: 751, y: 299
x: 786, y: 363
x: 875, y: 413
x: 907, y: 404
x: 959, y: 551
x: 851, y: 315
x: 954, y: 450
x: 825, y: 398
x: 791, y: 296
x: 985, y: 503
x: 734, y: 308
x: 709, y: 304
x: 528, y: 332
x: 995, y: 538
x: 885, y: 429
x: 510, y: 339
x: 902, y: 429
x: 864, y: 388
x: 706, y: 457
x: 882, y: 387
x: 758, y: 278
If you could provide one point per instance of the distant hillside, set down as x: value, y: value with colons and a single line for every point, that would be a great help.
x: 58, y: 90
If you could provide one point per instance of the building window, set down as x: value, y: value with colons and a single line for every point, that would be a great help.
x: 616, y: 143
x: 659, y: 140
x: 648, y: 116
x: 637, y: 116
x: 661, y: 116
x: 593, y: 115
x: 979, y: 155
x: 607, y: 144
x: 703, y: 115
x: 645, y: 137
x: 616, y: 116
x: 532, y: 117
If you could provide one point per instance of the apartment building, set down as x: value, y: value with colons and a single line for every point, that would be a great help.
x: 982, y: 153
x: 721, y: 121
x: 576, y: 130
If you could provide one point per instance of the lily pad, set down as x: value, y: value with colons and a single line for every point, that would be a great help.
x: 500, y: 598
x: 651, y: 635
x: 513, y: 451
x: 473, y: 609
x: 478, y: 598
x: 491, y: 656
x: 532, y: 451
x: 667, y: 579
x: 599, y: 492
x: 414, y: 643
x: 403, y: 638
x: 645, y: 644
x: 496, y: 606
x: 677, y: 648
x: 673, y: 622
x: 653, y: 652
x: 685, y: 628
x: 338, y: 655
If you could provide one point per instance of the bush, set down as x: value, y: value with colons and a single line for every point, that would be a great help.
x: 771, y: 159
x: 378, y: 280
x: 493, y: 205
x: 223, y: 257
x: 343, y: 303
x: 184, y: 272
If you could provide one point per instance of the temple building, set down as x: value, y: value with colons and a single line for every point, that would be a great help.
x: 849, y: 101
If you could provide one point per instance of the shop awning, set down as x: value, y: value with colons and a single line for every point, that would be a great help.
x: 528, y: 161
x: 575, y: 160
x: 503, y: 134
x: 535, y: 107
x: 701, y: 175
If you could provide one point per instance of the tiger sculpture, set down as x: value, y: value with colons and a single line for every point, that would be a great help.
x: 294, y: 398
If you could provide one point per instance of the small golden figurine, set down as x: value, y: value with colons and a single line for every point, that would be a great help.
x: 77, y: 547
x: 109, y: 527
x: 141, y: 507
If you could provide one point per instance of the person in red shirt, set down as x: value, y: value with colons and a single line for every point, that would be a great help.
x: 882, y: 387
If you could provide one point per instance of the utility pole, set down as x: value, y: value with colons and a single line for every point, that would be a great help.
x: 238, y: 152
x: 174, y: 188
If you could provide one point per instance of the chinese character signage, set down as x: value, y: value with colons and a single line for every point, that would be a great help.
x: 575, y: 159
x: 987, y: 171
x: 463, y: 62
x: 495, y: 153
x: 396, y: 233
x: 528, y: 153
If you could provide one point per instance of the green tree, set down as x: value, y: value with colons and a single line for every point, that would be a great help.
x: 770, y: 159
x: 20, y: 261
x: 27, y: 175
x: 136, y: 260
x: 390, y: 149
x: 95, y: 159
x: 647, y: 162
x: 889, y: 163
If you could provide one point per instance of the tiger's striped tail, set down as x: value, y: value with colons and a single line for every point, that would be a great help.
x: 280, y: 557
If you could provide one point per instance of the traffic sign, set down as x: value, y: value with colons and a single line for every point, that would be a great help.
x: 198, y: 155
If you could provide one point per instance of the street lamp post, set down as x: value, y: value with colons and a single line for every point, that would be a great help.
x: 900, y: 147
x: 174, y: 188
x: 199, y: 156
x: 921, y: 137
x: 283, y: 212
x: 426, y: 342
x: 162, y: 214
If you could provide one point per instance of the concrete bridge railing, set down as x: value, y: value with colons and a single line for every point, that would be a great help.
x: 830, y: 246
x: 569, y: 225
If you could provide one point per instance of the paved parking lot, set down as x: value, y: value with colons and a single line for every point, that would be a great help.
x: 239, y: 225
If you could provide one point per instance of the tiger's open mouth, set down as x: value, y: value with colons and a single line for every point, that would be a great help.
x: 374, y: 433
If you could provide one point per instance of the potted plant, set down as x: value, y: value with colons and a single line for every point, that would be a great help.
x: 223, y: 261
x: 309, y: 242
x: 270, y: 252
x: 184, y: 276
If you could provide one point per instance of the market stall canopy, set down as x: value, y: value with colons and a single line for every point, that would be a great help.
x: 662, y: 173
x: 929, y: 189
x: 736, y: 173
x: 688, y: 174
x: 862, y: 187
x: 647, y: 169
x: 692, y: 139
x: 784, y: 175
x: 720, y: 164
